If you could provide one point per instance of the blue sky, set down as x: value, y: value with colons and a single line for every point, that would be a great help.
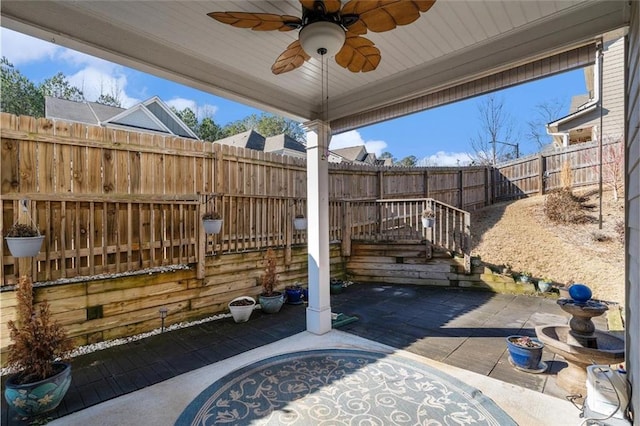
x: 441, y: 135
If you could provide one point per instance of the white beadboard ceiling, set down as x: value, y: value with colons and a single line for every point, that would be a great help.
x: 177, y: 40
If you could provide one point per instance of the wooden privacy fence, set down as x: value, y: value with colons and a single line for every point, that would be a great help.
x: 538, y: 174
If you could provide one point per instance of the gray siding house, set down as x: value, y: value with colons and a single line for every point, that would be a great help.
x: 583, y: 121
x: 152, y: 115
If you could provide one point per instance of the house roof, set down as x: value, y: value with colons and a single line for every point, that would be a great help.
x: 283, y: 142
x: 249, y: 139
x: 151, y: 115
x: 351, y: 153
x: 78, y: 112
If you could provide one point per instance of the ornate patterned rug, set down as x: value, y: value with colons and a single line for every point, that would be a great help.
x: 341, y: 387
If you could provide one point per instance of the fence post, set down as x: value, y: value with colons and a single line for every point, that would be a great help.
x: 467, y: 243
x: 202, y: 241
x: 460, y: 189
x: 346, y: 228
x: 289, y: 215
x: 541, y: 170
x: 487, y: 199
x: 380, y: 184
x: 426, y: 183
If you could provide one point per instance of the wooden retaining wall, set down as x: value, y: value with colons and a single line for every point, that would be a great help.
x: 406, y: 262
x: 101, y: 309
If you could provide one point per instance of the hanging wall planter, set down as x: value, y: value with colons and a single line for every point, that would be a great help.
x: 300, y: 222
x: 428, y: 218
x: 24, y: 240
x: 212, y: 223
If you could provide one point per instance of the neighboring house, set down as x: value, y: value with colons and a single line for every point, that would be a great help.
x: 353, y: 154
x: 249, y: 139
x: 583, y: 121
x: 285, y: 145
x: 152, y: 115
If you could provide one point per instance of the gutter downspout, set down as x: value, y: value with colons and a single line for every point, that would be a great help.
x: 596, y: 93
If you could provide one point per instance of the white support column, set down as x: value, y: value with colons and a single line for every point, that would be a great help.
x: 319, y: 310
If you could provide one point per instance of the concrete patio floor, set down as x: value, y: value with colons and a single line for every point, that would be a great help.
x: 460, y: 332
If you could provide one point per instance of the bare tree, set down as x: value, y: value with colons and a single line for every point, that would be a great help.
x: 545, y: 112
x: 612, y: 165
x: 495, y: 140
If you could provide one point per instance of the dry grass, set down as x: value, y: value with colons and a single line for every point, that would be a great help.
x: 520, y: 234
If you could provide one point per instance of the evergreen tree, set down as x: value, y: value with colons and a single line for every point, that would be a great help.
x: 19, y: 95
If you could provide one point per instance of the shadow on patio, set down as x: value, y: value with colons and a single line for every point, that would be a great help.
x: 464, y: 329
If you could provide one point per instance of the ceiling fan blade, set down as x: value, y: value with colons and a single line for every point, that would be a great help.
x: 326, y: 6
x: 384, y: 15
x: 258, y: 21
x: 358, y: 54
x: 290, y: 59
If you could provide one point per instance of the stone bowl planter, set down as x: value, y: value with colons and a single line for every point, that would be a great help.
x: 241, y: 308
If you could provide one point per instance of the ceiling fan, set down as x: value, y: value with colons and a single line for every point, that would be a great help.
x: 328, y: 28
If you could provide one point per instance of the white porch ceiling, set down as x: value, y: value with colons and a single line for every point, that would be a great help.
x: 454, y: 42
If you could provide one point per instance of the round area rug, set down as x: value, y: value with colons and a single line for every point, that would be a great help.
x: 336, y: 386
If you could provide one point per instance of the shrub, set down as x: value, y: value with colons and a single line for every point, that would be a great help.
x: 269, y: 279
x: 619, y: 228
x: 563, y: 206
x: 38, y: 340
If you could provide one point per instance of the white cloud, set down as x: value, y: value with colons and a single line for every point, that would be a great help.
x: 353, y: 138
x: 442, y: 158
x: 93, y: 82
x: 21, y: 49
x: 202, y: 111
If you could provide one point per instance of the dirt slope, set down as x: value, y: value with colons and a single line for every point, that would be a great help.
x: 518, y: 233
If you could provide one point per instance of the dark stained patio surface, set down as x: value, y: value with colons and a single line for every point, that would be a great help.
x: 463, y: 328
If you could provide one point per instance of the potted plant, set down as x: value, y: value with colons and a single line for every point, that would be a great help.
x: 300, y: 222
x: 212, y: 222
x: 24, y: 240
x: 270, y: 300
x: 241, y: 308
x: 295, y: 294
x: 544, y: 284
x: 428, y: 218
x: 336, y: 286
x: 39, y: 345
x: 525, y: 277
x: 525, y: 352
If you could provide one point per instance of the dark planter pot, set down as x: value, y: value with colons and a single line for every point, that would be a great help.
x: 336, y: 287
x: 271, y: 304
x: 33, y: 399
x: 526, y: 358
x: 294, y: 296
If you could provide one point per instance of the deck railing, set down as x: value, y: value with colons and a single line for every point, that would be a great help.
x: 401, y: 220
x: 92, y: 235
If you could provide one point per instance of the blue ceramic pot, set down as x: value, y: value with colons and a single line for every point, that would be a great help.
x: 294, y: 295
x: 33, y: 399
x: 525, y: 357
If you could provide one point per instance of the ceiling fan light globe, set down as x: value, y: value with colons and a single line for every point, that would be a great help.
x: 322, y: 38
